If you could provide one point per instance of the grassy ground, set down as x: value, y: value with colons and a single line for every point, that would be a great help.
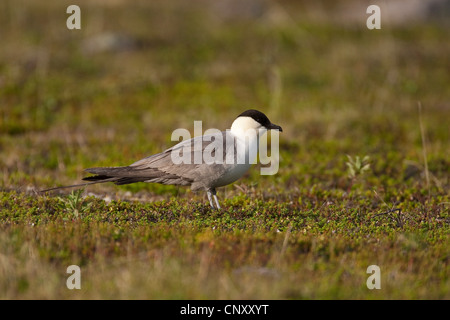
x: 112, y: 93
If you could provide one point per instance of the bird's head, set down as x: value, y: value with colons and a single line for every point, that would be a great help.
x: 253, y: 120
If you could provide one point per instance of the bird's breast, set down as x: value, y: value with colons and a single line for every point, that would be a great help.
x: 234, y: 173
x: 244, y: 155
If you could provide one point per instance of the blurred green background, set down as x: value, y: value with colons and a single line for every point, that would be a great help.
x: 112, y: 93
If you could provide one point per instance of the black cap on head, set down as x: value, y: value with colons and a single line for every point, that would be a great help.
x: 261, y: 118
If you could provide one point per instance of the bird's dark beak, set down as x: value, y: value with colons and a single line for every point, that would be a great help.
x: 274, y: 127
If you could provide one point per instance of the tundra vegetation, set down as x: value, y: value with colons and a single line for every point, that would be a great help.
x: 364, y: 153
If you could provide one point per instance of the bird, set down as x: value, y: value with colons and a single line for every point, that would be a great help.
x: 233, y: 150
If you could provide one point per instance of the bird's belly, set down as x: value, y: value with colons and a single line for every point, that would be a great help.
x: 232, y: 175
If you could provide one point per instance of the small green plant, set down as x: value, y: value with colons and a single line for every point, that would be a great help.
x: 74, y: 203
x: 357, y: 166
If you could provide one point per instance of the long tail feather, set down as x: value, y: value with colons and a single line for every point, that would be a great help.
x: 79, y: 185
x: 118, y: 175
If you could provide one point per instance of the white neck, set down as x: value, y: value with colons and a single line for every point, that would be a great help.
x: 247, y: 132
x: 244, y: 124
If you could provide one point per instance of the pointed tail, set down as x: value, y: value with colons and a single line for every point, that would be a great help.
x: 118, y: 175
x: 110, y: 179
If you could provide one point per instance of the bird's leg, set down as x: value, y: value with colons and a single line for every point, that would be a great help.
x: 209, y: 193
x: 215, y: 198
x: 217, y: 202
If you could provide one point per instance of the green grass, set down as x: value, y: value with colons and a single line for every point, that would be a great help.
x: 340, y: 92
x: 180, y: 249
